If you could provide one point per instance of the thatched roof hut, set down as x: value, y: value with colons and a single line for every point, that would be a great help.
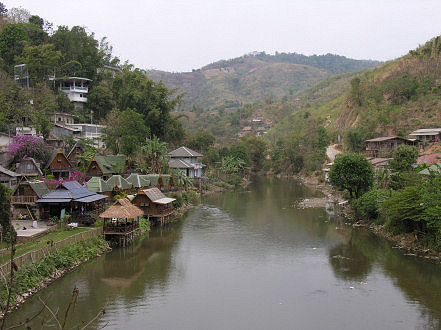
x: 122, y: 209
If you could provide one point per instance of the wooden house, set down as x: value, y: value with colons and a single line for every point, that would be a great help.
x: 8, y: 178
x: 121, y: 221
x: 99, y: 186
x: 119, y: 184
x: 428, y: 135
x: 155, y: 206
x: 384, y: 146
x: 186, y: 160
x: 76, y: 150
x: 106, y: 166
x: 28, y: 167
x: 59, y: 166
x: 82, y: 204
x: 24, y: 196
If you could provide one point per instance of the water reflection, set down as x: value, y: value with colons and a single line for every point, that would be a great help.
x: 251, y: 260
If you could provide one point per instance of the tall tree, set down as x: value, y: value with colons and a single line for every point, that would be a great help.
x: 154, y: 152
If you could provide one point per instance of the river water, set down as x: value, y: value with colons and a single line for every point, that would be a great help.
x: 251, y: 260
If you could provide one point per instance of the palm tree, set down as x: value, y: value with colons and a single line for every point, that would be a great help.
x: 155, y: 153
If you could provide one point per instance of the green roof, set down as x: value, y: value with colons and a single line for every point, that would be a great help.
x: 111, y: 164
x: 153, y: 179
x: 118, y: 181
x: 98, y: 185
x: 39, y: 187
x: 166, y: 179
x: 138, y: 181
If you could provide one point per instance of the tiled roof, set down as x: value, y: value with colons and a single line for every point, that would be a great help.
x: 179, y: 163
x: 184, y: 152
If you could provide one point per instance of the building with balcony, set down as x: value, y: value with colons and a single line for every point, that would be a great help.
x: 76, y: 89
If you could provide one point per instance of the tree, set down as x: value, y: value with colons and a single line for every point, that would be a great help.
x: 100, y: 99
x: 239, y: 151
x: 256, y: 149
x: 7, y: 230
x: 354, y: 139
x: 112, y: 132
x: 202, y: 140
x: 155, y: 154
x: 44, y: 106
x: 352, y: 172
x: 29, y: 146
x: 403, y: 158
x: 40, y: 61
x: 13, y: 39
x: 133, y: 132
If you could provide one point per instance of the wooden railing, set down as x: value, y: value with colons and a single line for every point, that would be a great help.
x: 120, y: 228
x: 23, y: 199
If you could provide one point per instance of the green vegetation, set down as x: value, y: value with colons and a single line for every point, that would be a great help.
x: 29, y: 277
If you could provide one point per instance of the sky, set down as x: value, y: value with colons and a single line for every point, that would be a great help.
x: 181, y: 35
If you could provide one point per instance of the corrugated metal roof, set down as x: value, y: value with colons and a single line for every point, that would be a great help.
x: 91, y: 198
x: 96, y: 184
x: 184, y: 152
x: 165, y: 200
x: 8, y: 172
x: 426, y: 131
x: 118, y: 181
x: 112, y: 164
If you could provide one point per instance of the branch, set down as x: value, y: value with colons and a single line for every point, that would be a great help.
x: 50, y: 311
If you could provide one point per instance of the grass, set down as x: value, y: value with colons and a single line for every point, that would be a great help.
x: 55, y: 236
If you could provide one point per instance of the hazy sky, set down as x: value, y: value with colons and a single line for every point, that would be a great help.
x: 181, y: 35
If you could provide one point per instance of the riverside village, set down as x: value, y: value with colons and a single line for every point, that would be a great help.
x: 266, y: 191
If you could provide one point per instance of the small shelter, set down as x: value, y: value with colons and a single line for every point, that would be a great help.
x: 60, y: 166
x: 154, y: 204
x: 121, y: 221
x: 82, y: 204
x: 98, y: 185
x: 119, y: 184
x: 106, y: 166
x: 8, y: 178
x: 23, y: 198
x: 28, y: 167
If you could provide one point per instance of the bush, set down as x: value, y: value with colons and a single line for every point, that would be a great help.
x: 367, y: 207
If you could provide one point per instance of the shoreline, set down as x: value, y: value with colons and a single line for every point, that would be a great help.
x: 404, y: 241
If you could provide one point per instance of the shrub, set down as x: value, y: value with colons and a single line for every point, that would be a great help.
x: 367, y: 207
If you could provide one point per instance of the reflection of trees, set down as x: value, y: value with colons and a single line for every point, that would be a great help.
x: 348, y: 262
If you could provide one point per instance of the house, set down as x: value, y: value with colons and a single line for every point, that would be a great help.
x: 99, y: 186
x: 28, y: 167
x: 8, y: 178
x: 5, y: 141
x: 59, y: 166
x: 90, y: 131
x: 63, y: 118
x: 72, y: 198
x: 76, y: 89
x: 429, y: 159
x: 106, y: 166
x: 186, y: 160
x: 24, y: 196
x: 119, y: 184
x: 378, y: 163
x: 384, y: 146
x: 429, y: 135
x: 76, y: 150
x: 155, y: 180
x: 155, y: 206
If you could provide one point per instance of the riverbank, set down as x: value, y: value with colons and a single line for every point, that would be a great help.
x: 406, y: 241
x: 33, y: 277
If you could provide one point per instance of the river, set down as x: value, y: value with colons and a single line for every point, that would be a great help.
x: 252, y: 260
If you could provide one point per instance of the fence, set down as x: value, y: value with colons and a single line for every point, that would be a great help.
x: 40, y: 253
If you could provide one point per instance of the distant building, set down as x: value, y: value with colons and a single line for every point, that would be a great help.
x: 8, y: 178
x: 427, y: 134
x: 384, y: 146
x: 429, y: 159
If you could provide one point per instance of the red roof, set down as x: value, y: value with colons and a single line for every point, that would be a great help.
x: 429, y: 159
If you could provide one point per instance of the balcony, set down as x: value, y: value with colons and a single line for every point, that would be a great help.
x: 23, y: 199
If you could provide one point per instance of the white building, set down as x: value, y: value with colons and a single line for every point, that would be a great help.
x: 186, y: 160
x: 76, y: 89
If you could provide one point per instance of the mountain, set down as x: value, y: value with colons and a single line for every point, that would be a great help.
x: 256, y: 77
x: 393, y: 99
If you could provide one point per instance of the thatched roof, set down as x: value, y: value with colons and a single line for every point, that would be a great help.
x: 122, y: 209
